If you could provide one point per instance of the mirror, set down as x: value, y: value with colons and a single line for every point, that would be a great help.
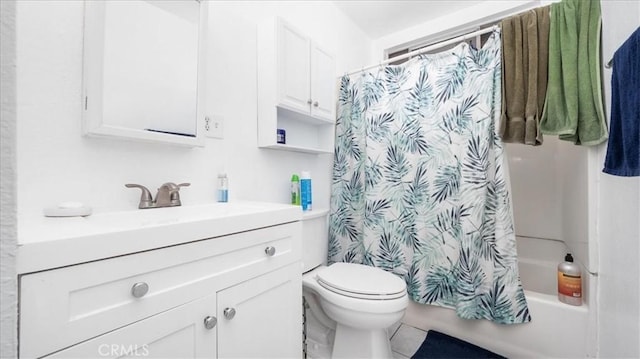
x: 142, y: 61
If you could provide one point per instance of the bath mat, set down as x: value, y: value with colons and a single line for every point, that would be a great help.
x: 442, y: 346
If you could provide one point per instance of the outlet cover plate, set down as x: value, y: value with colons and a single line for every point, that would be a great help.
x: 214, y: 126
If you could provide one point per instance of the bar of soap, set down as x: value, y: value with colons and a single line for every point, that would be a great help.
x: 68, y: 209
x: 70, y: 205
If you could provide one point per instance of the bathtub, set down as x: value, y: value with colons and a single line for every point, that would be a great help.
x: 556, y: 330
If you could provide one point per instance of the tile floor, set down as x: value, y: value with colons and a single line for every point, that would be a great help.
x: 405, y: 340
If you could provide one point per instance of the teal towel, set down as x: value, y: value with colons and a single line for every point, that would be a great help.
x: 574, y: 109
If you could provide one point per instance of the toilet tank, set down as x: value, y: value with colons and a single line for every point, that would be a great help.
x: 315, y: 235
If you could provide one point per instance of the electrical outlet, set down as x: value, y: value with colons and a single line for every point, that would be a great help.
x: 214, y: 126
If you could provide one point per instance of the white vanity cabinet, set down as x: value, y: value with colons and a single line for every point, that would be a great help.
x: 296, y: 89
x: 172, y: 302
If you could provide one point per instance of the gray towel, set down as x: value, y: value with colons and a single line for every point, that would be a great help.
x: 525, y: 44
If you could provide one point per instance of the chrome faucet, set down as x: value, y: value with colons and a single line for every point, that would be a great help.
x: 168, y: 195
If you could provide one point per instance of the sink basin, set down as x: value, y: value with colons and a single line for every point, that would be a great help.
x: 54, y: 242
x: 170, y: 215
x: 144, y: 218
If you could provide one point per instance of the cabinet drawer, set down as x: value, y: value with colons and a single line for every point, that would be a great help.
x: 61, y: 307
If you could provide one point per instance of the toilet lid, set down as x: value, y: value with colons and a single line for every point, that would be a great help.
x: 361, y: 281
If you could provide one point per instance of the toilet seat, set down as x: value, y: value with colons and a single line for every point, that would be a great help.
x: 361, y: 281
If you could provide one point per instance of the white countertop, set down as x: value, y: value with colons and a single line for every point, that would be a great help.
x: 48, y: 242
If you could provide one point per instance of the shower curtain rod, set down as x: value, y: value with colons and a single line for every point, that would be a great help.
x: 430, y: 47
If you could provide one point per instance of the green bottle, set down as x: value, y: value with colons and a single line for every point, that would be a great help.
x: 295, y: 190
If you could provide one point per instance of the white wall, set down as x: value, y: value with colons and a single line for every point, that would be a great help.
x: 56, y: 163
x: 618, y: 218
x: 8, y: 222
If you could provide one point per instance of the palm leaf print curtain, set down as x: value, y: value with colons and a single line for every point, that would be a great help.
x: 419, y: 186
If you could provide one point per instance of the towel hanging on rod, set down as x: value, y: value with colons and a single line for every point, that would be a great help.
x: 623, y: 149
x: 429, y: 48
x: 525, y: 53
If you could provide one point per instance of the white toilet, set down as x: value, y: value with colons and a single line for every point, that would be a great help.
x: 351, y: 305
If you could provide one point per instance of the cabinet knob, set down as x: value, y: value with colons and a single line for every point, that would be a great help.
x: 229, y: 313
x: 316, y: 104
x: 139, y: 289
x: 270, y: 251
x: 309, y: 102
x: 210, y: 322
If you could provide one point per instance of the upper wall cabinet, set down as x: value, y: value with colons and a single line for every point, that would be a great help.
x: 305, y: 74
x: 143, y: 70
x: 296, y: 90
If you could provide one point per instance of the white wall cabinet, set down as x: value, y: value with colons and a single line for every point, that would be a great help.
x: 293, y: 59
x: 296, y: 90
x: 323, y: 84
x: 171, y: 302
x: 306, y: 74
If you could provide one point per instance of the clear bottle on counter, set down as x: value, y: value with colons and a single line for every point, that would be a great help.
x: 223, y: 188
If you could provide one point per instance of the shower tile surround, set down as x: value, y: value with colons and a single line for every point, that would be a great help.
x: 546, y: 181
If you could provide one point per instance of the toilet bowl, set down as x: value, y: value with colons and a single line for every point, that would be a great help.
x: 358, y: 301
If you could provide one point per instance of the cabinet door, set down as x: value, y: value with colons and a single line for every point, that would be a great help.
x: 188, y: 331
x: 267, y: 316
x: 323, y: 84
x: 293, y: 69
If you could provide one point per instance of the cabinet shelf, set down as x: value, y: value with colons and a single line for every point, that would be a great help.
x: 290, y: 114
x: 285, y: 147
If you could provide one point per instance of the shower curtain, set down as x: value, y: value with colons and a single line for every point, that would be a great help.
x: 419, y: 186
